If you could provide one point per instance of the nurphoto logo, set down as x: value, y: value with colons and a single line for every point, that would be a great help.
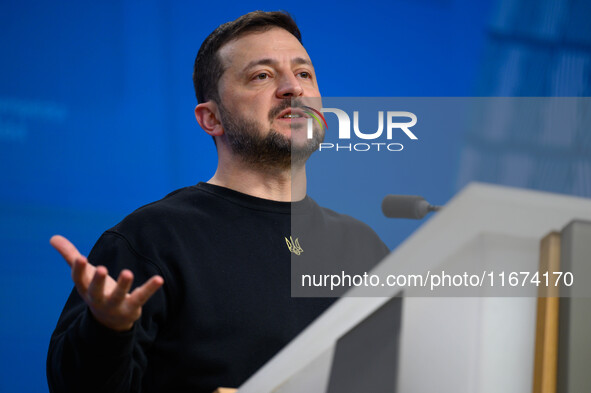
x: 397, y: 123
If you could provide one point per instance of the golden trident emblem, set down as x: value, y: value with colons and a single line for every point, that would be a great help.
x: 294, y: 245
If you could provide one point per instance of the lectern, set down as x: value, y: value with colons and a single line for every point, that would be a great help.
x: 482, y: 339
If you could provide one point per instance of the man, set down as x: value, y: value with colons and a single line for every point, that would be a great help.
x: 214, y: 302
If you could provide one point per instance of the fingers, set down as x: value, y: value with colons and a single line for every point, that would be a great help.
x: 96, y: 289
x: 140, y: 295
x: 80, y: 273
x: 110, y: 301
x: 122, y: 288
x: 68, y: 251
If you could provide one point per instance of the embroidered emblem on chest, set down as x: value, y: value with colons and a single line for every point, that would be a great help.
x: 294, y: 245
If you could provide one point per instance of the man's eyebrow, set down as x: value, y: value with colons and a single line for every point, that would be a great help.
x: 300, y: 61
x: 270, y: 62
x: 265, y: 61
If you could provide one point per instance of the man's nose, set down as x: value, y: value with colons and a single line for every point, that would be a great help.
x: 289, y: 86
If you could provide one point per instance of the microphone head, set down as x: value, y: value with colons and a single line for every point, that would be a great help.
x: 405, y: 206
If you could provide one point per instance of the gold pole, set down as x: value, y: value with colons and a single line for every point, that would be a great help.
x: 546, y: 355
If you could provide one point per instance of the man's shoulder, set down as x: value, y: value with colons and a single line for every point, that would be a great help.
x: 172, y: 206
x: 340, y: 217
x: 343, y: 221
x: 160, y: 227
x: 163, y: 218
x: 336, y: 240
x: 344, y: 228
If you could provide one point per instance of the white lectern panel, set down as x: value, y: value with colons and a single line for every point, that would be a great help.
x: 448, y: 345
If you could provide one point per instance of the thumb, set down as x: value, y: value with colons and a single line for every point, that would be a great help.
x: 68, y: 251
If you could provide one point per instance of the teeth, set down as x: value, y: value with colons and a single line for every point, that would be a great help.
x: 290, y: 116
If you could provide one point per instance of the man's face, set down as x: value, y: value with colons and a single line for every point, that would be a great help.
x: 264, y: 71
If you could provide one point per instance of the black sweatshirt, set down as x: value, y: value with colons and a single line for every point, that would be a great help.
x: 225, y: 308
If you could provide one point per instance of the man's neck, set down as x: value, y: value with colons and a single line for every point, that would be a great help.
x: 278, y: 185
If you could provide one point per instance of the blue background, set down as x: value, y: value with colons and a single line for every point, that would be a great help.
x: 96, y: 116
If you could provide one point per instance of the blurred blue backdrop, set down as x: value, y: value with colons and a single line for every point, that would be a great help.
x: 96, y: 117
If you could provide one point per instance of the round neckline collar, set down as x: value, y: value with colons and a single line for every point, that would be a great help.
x: 257, y: 203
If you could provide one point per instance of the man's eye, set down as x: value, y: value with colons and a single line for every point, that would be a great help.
x: 262, y: 75
x: 305, y: 75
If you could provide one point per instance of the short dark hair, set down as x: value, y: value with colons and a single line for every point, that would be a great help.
x: 208, y: 67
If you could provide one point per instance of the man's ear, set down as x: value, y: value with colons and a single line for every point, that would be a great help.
x: 207, y: 116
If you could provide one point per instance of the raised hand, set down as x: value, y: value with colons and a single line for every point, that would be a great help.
x: 109, y: 301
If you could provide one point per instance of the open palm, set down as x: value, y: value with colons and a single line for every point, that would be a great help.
x: 109, y: 301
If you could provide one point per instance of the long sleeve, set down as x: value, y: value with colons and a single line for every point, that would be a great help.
x: 85, y: 356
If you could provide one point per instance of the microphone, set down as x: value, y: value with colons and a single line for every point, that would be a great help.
x: 407, y: 206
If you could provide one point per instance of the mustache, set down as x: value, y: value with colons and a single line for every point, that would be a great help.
x: 287, y: 103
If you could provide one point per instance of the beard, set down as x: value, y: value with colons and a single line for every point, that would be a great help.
x: 270, y: 151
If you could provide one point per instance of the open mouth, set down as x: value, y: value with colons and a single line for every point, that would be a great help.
x: 292, y: 114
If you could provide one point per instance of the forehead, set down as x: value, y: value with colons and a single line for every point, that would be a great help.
x: 275, y: 43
